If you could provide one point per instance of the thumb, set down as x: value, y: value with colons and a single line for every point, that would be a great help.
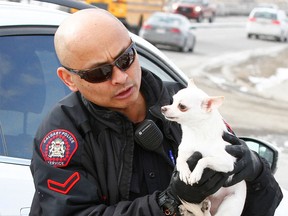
x: 230, y: 138
x: 234, y: 150
x: 193, y: 160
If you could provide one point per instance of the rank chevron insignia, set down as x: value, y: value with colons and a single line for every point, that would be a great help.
x: 65, y: 187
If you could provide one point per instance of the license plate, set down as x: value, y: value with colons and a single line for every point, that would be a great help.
x: 160, y: 31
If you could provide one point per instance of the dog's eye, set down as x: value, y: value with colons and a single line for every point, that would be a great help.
x: 182, y: 107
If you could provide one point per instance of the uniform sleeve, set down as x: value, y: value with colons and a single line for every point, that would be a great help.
x: 72, y: 191
x: 263, y: 194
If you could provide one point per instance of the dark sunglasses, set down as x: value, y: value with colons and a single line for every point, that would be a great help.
x: 104, y: 72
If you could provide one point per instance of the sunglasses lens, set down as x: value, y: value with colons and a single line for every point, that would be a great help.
x: 126, y: 59
x: 99, y: 74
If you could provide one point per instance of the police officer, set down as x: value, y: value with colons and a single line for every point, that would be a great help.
x: 86, y: 160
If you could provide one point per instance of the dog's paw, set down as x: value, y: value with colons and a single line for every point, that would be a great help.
x: 184, y: 174
x: 206, y: 206
x: 195, y: 176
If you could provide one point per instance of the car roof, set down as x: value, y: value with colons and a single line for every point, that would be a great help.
x: 264, y: 9
x: 12, y: 13
x: 189, y: 1
x: 168, y: 14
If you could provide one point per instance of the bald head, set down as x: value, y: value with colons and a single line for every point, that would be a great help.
x: 87, y: 31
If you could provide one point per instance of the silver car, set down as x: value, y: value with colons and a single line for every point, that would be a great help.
x: 169, y: 29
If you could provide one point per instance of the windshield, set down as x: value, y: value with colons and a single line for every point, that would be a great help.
x: 157, y: 19
x: 265, y: 15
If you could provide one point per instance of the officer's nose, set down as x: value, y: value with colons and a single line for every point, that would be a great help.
x: 118, y: 76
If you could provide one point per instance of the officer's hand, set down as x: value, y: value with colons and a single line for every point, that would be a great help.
x: 248, y: 165
x: 210, y: 182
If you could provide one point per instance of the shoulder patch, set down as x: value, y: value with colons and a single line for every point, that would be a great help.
x: 58, y: 147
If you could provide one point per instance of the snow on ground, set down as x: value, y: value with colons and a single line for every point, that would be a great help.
x: 275, y: 86
x: 262, y: 72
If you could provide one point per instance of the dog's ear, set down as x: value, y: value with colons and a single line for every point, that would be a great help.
x: 212, y: 103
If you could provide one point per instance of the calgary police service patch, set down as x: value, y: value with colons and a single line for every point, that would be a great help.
x: 58, y: 147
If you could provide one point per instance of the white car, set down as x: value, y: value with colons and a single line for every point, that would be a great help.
x: 267, y: 22
x: 29, y: 87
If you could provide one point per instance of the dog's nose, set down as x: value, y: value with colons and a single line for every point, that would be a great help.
x: 163, y: 109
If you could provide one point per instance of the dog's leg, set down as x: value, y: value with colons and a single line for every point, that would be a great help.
x: 236, y: 198
x: 206, y: 205
x: 182, y: 167
x: 219, y: 163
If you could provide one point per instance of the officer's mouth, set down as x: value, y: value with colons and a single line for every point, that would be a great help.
x: 125, y: 92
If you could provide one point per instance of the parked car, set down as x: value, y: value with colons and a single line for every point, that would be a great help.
x: 193, y: 9
x: 267, y: 22
x: 29, y: 87
x: 169, y: 29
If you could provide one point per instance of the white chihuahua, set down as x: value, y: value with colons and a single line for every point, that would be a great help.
x: 202, y: 127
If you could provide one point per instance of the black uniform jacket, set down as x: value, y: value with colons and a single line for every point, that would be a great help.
x: 85, y: 161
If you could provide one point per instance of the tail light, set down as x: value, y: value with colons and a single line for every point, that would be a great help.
x: 175, y: 30
x: 276, y: 22
x: 252, y: 19
x: 147, y: 26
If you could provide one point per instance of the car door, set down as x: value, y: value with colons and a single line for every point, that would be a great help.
x: 29, y: 87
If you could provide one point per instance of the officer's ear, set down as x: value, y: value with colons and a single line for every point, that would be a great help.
x: 67, y: 78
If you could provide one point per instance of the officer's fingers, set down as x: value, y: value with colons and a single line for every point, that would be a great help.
x: 230, y: 138
x: 193, y: 160
x: 207, y: 175
x: 239, y: 166
x: 235, y: 150
x: 216, y: 183
x: 238, y: 173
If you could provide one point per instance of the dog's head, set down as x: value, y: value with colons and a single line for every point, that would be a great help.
x: 191, y: 104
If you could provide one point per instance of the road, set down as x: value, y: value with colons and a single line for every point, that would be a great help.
x: 248, y: 114
x: 214, y: 42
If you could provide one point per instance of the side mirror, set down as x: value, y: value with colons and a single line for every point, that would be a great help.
x: 265, y: 150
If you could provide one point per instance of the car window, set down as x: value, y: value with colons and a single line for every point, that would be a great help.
x: 265, y: 15
x: 154, y: 67
x: 29, y: 87
x: 165, y: 19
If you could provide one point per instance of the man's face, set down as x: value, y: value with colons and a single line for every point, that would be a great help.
x: 122, y: 89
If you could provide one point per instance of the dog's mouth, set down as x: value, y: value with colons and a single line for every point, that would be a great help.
x: 170, y: 117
